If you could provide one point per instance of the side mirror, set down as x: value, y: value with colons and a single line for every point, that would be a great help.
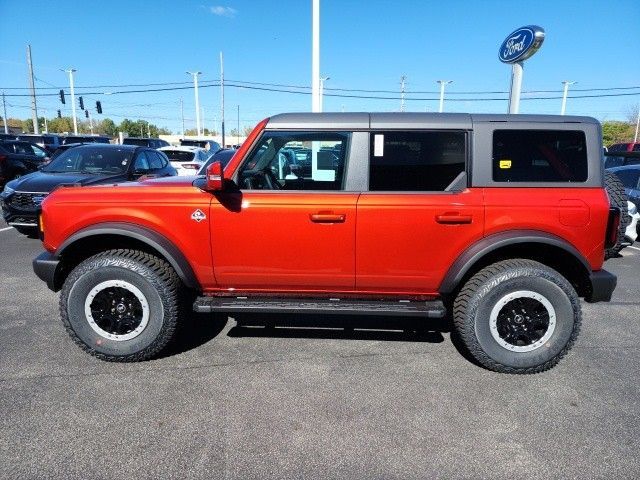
x: 215, y: 177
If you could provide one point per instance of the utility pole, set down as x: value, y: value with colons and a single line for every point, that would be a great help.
x: 195, y: 86
x: 403, y: 78
x: 222, y: 96
x: 238, y: 141
x: 32, y: 88
x: 148, y: 130
x: 90, y: 121
x: 4, y: 115
x: 566, y: 84
x: 322, y: 80
x: 46, y: 125
x: 316, y: 105
x: 70, y: 71
x: 442, y: 83
x: 182, y: 115
x: 635, y: 137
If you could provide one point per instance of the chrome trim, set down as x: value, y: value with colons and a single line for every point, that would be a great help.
x: 18, y: 224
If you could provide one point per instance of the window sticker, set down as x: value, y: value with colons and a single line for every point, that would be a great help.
x: 378, y: 145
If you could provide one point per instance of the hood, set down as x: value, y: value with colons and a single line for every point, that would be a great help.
x: 45, y: 182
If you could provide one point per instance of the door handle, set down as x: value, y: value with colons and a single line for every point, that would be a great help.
x: 327, y: 217
x: 453, y: 219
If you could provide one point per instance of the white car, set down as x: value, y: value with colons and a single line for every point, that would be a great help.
x: 186, y: 160
x: 631, y: 234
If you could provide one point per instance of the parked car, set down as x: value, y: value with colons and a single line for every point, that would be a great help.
x: 145, y: 142
x: 186, y: 160
x: 48, y: 141
x: 81, y: 165
x: 500, y: 222
x: 210, y: 145
x: 632, y: 231
x: 223, y: 156
x: 629, y: 175
x: 624, y: 147
x: 19, y: 158
x: 84, y: 139
x: 63, y: 148
x: 619, y: 159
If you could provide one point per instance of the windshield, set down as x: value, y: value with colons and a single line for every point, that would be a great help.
x: 179, y: 155
x: 91, y: 160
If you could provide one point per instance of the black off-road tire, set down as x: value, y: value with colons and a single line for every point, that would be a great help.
x: 482, y: 292
x: 618, y: 198
x: 155, y: 279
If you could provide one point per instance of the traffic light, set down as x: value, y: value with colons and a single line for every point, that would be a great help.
x: 99, y: 107
x: 86, y: 113
x: 59, y: 112
x: 62, y: 96
x: 81, y: 103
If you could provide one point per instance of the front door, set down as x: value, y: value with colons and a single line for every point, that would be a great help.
x: 290, y: 225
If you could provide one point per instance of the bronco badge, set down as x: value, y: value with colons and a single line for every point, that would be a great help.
x: 198, y: 215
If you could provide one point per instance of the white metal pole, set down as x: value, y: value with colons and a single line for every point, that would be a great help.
x: 564, y: 95
x: 516, y: 87
x: 442, y: 83
x: 32, y: 88
x: 222, y: 99
x: 73, y: 100
x: 315, y: 58
x: 402, y: 80
x: 46, y: 125
x: 195, y: 88
x: 322, y: 80
x: 635, y: 137
x: 182, y: 115
x: 90, y: 121
x: 4, y: 116
x: 202, y: 116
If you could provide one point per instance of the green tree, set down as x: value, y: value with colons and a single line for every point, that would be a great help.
x: 617, y: 132
x: 61, y: 125
x: 107, y: 127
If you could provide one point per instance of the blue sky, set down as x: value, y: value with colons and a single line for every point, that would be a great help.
x: 364, y: 45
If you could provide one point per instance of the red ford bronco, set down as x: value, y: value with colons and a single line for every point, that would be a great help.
x: 500, y: 221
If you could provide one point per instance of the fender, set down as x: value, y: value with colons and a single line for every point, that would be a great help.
x: 158, y: 242
x: 486, y: 245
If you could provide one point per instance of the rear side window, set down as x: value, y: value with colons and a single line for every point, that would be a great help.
x: 539, y: 156
x: 415, y: 161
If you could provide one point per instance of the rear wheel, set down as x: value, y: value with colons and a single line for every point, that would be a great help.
x: 618, y: 198
x: 121, y: 305
x: 517, y: 316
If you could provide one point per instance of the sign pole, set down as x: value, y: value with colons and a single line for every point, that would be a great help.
x: 516, y: 87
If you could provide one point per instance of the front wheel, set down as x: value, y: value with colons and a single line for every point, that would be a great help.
x: 517, y: 316
x: 121, y: 305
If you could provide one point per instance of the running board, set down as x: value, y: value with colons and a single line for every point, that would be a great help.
x: 405, y: 308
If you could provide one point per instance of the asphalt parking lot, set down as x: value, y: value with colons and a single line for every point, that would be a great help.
x: 283, y: 402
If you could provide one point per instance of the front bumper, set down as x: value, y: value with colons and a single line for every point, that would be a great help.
x: 603, y: 284
x: 45, y: 267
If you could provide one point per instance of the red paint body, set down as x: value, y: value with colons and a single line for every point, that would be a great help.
x: 323, y: 242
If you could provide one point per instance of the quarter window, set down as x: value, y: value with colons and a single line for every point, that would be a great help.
x: 296, y: 161
x: 415, y: 161
x: 539, y: 156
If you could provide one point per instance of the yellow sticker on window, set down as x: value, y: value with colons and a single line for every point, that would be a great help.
x: 505, y: 164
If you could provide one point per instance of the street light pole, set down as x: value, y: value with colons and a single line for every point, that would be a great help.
x: 4, y: 115
x: 70, y: 71
x: 442, y: 83
x: 182, y: 115
x: 566, y: 84
x: 316, y: 102
x: 322, y: 80
x: 195, y: 87
x: 635, y: 137
x: 222, y: 99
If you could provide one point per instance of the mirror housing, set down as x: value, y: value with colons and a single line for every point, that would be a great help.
x: 215, y: 177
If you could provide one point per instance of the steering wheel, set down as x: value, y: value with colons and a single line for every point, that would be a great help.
x: 270, y: 180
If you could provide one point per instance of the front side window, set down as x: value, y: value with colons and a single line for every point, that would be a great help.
x: 539, y: 156
x: 415, y: 160
x: 296, y: 161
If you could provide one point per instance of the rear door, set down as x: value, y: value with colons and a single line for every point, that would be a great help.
x: 418, y: 214
x: 280, y: 231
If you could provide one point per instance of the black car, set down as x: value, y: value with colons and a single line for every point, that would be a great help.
x: 19, y: 158
x: 81, y: 165
x: 48, y: 141
x: 619, y: 159
x: 84, y: 139
x: 145, y: 142
x: 223, y: 156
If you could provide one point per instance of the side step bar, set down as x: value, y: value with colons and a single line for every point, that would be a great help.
x: 405, y: 308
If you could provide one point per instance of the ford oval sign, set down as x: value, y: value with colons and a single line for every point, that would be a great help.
x: 521, y: 44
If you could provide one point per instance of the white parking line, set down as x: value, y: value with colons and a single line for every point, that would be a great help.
x: 6, y: 228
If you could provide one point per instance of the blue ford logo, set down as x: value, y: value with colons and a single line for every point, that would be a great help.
x: 521, y: 44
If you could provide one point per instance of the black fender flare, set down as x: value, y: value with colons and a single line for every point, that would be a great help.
x: 493, y: 242
x: 158, y: 242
